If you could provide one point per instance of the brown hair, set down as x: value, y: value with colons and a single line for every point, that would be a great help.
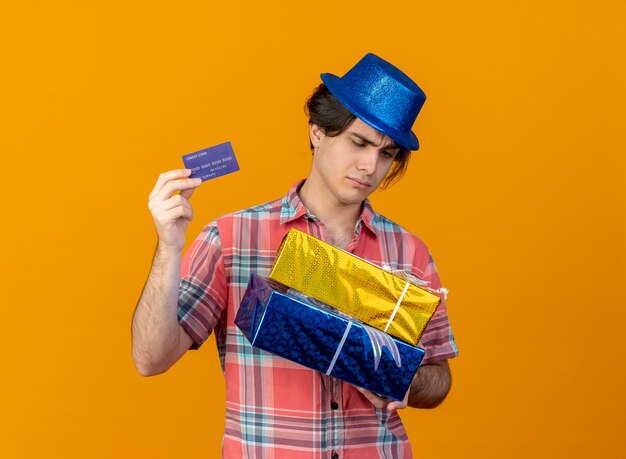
x: 324, y: 110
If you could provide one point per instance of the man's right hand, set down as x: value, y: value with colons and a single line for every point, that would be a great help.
x: 172, y: 212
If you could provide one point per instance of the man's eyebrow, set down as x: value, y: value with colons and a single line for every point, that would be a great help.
x: 391, y: 145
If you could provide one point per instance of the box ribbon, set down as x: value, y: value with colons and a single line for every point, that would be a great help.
x: 377, y: 338
x: 412, y: 279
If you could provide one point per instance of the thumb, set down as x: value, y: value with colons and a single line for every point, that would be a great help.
x: 187, y: 193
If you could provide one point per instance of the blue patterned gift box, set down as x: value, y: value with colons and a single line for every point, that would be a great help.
x: 288, y: 324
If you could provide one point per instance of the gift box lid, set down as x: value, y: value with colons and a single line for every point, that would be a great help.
x: 354, y: 286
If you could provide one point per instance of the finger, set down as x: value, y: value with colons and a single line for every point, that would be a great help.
x: 379, y: 403
x: 395, y: 405
x: 176, y: 185
x: 174, y: 201
x: 156, y: 206
x: 376, y: 400
x: 168, y: 176
x: 171, y: 218
x: 178, y: 212
x: 187, y: 193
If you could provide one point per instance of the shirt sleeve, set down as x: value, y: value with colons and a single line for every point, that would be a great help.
x: 203, y: 292
x: 437, y: 340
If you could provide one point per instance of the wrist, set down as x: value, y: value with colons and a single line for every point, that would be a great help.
x: 170, y: 250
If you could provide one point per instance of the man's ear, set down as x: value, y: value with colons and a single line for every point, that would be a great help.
x: 315, y: 133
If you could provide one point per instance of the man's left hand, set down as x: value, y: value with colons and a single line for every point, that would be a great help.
x: 428, y: 389
x: 384, y: 402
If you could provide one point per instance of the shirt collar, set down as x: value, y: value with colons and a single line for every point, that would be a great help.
x: 292, y: 208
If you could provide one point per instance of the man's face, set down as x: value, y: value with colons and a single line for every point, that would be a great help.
x: 351, y: 165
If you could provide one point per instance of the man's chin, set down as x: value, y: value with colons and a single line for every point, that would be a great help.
x: 354, y: 197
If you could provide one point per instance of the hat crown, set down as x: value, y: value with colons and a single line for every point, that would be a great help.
x: 381, y: 95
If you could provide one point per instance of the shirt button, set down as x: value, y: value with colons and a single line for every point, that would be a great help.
x: 334, y: 405
x: 334, y: 456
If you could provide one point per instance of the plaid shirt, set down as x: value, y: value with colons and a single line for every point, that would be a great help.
x: 276, y: 408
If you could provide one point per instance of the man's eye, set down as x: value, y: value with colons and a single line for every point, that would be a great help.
x: 358, y: 144
x: 386, y: 154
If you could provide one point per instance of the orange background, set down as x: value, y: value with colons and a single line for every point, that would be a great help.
x: 518, y: 190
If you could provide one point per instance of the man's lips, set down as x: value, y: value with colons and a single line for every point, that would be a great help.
x: 359, y: 183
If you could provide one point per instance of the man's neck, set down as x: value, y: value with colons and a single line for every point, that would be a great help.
x: 340, y: 219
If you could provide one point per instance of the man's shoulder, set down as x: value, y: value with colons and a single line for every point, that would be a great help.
x: 401, y: 246
x: 261, y: 213
x: 267, y: 209
x: 244, y: 221
x: 388, y: 227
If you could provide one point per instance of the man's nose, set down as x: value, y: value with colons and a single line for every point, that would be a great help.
x: 368, y: 161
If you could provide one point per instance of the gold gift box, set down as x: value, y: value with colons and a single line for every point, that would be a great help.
x: 354, y: 286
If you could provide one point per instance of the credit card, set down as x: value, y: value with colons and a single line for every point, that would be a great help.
x: 212, y: 162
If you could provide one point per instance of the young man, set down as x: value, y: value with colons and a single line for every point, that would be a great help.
x: 360, y: 133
